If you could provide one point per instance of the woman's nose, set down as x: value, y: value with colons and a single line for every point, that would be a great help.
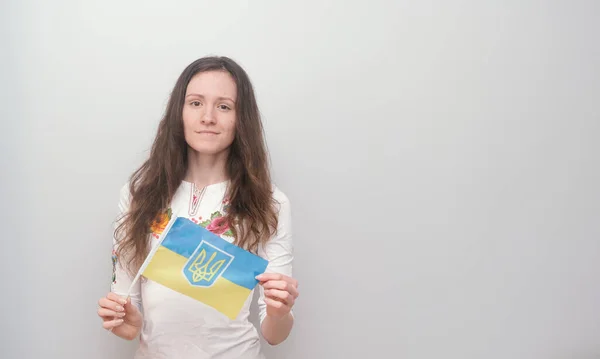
x: 208, y: 117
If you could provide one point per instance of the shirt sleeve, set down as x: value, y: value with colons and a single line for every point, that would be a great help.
x: 279, y: 251
x: 121, y: 279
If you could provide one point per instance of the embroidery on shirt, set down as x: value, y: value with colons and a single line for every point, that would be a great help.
x: 160, y: 223
x: 217, y: 223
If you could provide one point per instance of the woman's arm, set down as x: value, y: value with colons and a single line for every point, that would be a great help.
x: 128, y: 327
x: 278, y: 290
x: 276, y: 330
x: 280, y: 295
x: 121, y: 279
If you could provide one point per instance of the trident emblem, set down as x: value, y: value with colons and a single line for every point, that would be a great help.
x: 206, y: 265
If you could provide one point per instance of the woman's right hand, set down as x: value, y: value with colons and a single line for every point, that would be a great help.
x: 120, y: 316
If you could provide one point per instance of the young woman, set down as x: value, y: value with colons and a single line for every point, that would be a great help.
x: 208, y: 163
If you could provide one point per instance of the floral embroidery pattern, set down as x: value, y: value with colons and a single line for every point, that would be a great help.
x: 160, y: 223
x: 217, y: 223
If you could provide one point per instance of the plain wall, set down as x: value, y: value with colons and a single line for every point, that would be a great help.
x: 441, y: 158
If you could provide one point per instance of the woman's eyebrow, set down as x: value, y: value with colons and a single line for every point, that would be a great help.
x: 218, y: 98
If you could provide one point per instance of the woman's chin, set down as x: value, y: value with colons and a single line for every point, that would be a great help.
x: 204, y: 150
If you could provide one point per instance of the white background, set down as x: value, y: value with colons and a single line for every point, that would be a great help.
x: 441, y: 158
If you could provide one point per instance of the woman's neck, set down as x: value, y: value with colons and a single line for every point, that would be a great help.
x: 204, y: 170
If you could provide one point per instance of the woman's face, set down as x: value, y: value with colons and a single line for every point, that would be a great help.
x: 209, y: 112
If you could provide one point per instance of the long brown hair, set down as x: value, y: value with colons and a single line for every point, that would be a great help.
x: 251, y: 213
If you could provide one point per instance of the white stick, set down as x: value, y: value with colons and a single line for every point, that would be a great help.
x: 149, y: 257
x: 161, y: 238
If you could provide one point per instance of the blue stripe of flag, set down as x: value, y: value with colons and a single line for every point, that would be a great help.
x: 184, y: 237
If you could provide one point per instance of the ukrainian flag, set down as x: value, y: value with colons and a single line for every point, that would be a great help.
x: 199, y: 264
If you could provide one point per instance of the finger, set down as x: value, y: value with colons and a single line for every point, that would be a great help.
x: 281, y: 285
x: 129, y: 306
x: 270, y: 276
x: 116, y: 298
x: 275, y: 303
x: 109, y: 304
x: 265, y: 277
x: 110, y: 324
x: 275, y: 284
x: 280, y: 295
x: 110, y: 314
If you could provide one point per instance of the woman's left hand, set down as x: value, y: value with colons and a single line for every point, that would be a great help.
x: 281, y: 292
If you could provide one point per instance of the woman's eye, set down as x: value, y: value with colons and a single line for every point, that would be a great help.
x: 195, y: 103
x: 224, y: 107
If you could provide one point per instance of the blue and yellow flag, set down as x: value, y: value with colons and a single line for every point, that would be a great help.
x: 199, y: 264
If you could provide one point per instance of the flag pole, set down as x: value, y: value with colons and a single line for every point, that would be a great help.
x: 151, y: 254
x: 149, y: 257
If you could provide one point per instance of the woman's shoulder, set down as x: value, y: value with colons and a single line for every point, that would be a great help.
x: 283, y: 208
x: 124, y: 196
x: 124, y: 190
x: 279, y: 196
